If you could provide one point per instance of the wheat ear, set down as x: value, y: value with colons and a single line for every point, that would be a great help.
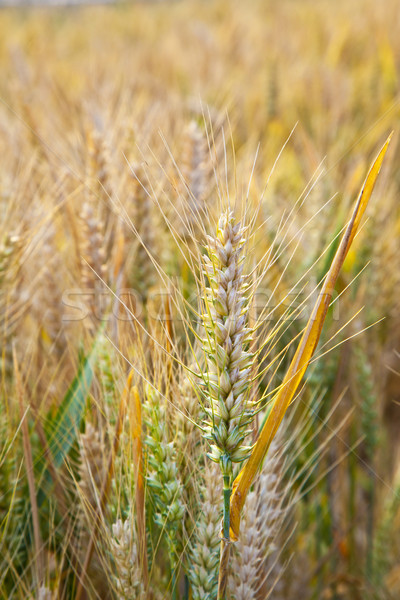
x: 204, y: 550
x: 262, y: 519
x: 143, y: 273
x: 163, y: 479
x: 126, y: 559
x: 93, y: 256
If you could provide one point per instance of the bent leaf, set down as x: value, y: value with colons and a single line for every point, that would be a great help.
x: 304, y: 352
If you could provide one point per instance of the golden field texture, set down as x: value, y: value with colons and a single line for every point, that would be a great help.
x: 176, y: 184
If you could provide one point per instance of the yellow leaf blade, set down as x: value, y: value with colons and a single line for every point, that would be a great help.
x: 304, y: 352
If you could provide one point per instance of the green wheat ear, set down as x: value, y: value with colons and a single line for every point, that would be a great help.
x: 204, y: 548
x: 229, y: 363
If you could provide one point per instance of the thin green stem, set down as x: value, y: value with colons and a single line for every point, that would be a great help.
x: 174, y: 596
x: 227, y: 498
x: 225, y: 542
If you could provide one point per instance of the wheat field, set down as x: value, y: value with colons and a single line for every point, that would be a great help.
x: 200, y: 301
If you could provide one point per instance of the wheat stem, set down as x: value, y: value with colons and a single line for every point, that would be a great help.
x: 225, y: 542
x: 227, y: 497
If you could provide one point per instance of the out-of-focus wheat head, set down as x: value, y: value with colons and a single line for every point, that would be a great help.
x: 205, y: 541
x: 124, y: 549
x: 262, y: 520
x: 142, y: 275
